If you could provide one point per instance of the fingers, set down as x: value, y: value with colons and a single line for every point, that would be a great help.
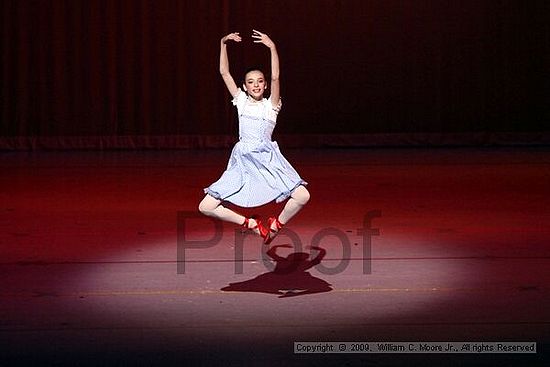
x: 233, y: 36
x: 258, y: 35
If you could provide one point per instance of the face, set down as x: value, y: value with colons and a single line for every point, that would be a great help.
x: 255, y: 84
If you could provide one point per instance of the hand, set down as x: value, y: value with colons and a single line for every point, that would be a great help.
x: 262, y: 38
x: 233, y: 37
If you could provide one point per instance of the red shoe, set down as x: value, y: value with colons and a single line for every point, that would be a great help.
x: 269, y: 236
x: 263, y: 231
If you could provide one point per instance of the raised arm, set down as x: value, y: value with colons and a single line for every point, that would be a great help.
x: 275, y: 84
x: 224, y: 63
x: 272, y: 252
x: 319, y: 257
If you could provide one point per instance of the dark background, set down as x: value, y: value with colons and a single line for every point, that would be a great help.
x: 80, y: 68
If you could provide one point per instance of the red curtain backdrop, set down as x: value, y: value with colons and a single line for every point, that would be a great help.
x: 149, y: 68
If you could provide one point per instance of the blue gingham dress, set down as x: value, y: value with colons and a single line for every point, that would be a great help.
x: 257, y: 172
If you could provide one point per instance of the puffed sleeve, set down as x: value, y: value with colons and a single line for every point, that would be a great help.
x: 239, y: 100
x: 271, y: 111
x: 277, y: 108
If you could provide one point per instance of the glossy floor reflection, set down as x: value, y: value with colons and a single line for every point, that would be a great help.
x: 409, y: 245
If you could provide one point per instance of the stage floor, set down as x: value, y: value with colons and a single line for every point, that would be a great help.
x: 422, y: 245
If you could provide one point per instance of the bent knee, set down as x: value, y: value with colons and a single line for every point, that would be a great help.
x: 306, y: 197
x: 202, y: 208
x: 206, y: 208
x: 302, y: 195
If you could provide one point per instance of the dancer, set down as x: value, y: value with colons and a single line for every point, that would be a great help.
x: 257, y: 172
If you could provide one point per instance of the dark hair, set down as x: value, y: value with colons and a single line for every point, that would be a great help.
x: 253, y: 68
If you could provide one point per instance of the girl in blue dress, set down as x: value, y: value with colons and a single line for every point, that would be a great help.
x: 257, y: 173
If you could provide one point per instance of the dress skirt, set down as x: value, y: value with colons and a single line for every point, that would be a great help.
x: 257, y: 173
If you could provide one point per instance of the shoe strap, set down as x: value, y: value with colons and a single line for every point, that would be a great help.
x: 278, y: 225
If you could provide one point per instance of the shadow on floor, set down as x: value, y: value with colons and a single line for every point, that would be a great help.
x: 290, y: 277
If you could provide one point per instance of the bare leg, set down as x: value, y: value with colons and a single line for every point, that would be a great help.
x: 212, y: 207
x: 297, y: 200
